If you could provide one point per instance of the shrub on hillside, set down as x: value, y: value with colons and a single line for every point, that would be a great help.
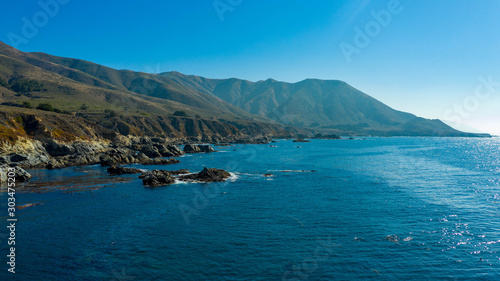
x: 180, y: 113
x: 23, y: 86
x: 27, y: 104
x: 4, y: 83
x: 45, y: 107
x: 49, y: 107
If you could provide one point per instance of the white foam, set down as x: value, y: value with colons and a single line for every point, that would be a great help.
x: 233, y: 177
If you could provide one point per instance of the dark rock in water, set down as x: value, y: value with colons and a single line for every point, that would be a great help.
x: 301, y: 140
x: 250, y: 140
x: 114, y: 170
x: 327, y: 137
x: 206, y: 148
x: 20, y: 174
x: 392, y: 238
x: 223, y: 144
x: 207, y: 175
x: 179, y: 172
x: 268, y: 175
x: 191, y: 148
x: 160, y: 161
x: 197, y: 148
x: 157, y: 178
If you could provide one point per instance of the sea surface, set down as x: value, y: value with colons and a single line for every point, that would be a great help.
x: 361, y: 209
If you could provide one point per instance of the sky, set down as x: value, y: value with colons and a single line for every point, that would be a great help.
x: 437, y: 59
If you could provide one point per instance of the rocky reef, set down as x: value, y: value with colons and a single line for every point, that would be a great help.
x: 207, y: 175
x: 157, y: 178
x: 114, y: 170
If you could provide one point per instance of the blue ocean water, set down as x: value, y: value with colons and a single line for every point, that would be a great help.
x: 363, y: 209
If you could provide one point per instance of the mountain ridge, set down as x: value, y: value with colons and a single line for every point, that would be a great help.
x: 322, y: 105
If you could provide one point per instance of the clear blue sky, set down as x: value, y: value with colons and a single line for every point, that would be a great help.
x: 426, y: 59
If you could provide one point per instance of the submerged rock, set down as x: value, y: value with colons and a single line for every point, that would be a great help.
x: 20, y: 207
x: 114, y: 170
x: 207, y: 175
x: 179, y: 172
x: 160, y: 161
x: 157, y: 178
x: 301, y: 140
x: 392, y: 238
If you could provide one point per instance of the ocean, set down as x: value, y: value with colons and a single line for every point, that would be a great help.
x: 362, y: 209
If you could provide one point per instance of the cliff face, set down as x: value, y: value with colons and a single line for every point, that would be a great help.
x: 35, y: 138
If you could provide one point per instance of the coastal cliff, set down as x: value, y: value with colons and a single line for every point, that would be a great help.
x: 38, y: 139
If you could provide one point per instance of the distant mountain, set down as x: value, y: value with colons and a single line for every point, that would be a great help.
x: 324, y: 105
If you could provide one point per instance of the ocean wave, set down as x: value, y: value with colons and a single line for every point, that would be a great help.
x: 233, y: 177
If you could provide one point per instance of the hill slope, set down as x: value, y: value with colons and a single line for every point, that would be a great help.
x: 328, y: 105
x: 125, y: 101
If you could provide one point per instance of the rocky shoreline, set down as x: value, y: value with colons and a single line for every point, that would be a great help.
x: 49, y: 153
x: 52, y: 154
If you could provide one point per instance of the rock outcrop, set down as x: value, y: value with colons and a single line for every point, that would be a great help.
x: 20, y: 174
x: 157, y: 178
x: 114, y: 170
x: 207, y: 175
x: 198, y: 148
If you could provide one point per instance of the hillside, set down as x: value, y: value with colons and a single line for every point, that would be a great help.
x: 124, y: 101
x: 324, y: 105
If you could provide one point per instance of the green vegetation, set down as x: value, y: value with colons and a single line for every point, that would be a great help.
x: 110, y: 113
x: 45, y: 107
x: 27, y: 104
x: 180, y: 113
x: 25, y: 85
x: 84, y: 107
x: 4, y: 83
x: 49, y: 107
